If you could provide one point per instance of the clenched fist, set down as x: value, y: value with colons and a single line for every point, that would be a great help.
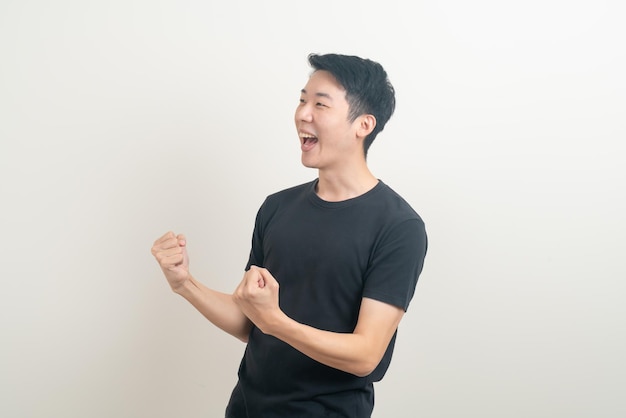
x: 171, y: 253
x: 257, y: 297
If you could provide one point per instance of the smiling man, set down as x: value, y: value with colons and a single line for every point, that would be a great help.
x: 333, y: 265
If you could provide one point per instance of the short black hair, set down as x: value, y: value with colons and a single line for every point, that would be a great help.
x: 368, y: 89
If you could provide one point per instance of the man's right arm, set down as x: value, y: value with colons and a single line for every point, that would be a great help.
x: 171, y: 253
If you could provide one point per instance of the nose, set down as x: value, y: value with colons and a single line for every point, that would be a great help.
x: 303, y: 113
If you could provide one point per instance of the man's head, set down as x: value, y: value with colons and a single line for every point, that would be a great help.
x: 368, y: 90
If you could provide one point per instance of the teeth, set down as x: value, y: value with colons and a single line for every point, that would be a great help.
x: 306, y: 136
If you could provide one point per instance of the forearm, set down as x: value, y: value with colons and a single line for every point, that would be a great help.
x: 358, y: 352
x: 219, y: 308
x: 350, y: 352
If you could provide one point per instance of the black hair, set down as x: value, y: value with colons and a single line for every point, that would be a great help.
x: 368, y: 89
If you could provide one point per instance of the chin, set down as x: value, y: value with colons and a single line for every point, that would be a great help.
x: 308, y: 164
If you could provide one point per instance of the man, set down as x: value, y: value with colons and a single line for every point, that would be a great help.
x: 333, y: 265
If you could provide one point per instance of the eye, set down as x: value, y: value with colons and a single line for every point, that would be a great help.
x: 320, y: 104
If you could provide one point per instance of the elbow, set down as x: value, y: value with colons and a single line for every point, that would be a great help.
x: 366, y: 359
x: 366, y: 366
x: 364, y: 373
x: 243, y: 334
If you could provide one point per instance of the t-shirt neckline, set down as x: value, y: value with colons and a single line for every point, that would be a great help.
x: 313, y: 196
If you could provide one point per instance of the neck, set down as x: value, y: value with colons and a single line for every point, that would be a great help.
x: 344, y: 185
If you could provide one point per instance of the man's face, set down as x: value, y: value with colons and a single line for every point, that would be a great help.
x: 327, y: 137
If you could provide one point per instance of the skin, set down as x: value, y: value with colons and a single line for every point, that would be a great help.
x: 337, y: 154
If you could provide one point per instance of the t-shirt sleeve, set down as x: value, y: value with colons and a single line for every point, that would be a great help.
x: 256, y: 257
x: 397, y: 263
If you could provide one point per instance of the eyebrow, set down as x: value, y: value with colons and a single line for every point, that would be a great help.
x: 326, y: 95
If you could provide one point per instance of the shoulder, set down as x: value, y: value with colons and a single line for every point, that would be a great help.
x: 291, y: 192
x: 289, y: 195
x: 286, y: 198
x: 400, y: 221
x: 395, y: 206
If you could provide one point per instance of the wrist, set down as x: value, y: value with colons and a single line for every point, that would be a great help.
x: 278, y: 325
x: 184, y: 287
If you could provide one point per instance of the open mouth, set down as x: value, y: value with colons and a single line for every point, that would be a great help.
x: 308, y: 141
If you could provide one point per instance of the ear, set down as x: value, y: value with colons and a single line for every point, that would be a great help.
x: 365, y: 125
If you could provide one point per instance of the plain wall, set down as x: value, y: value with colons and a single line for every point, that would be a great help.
x: 121, y: 120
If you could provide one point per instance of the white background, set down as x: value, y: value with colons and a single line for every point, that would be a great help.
x: 120, y: 120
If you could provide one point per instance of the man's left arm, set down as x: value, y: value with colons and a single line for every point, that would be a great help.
x: 358, y: 352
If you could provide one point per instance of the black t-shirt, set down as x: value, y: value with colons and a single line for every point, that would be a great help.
x: 326, y: 257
